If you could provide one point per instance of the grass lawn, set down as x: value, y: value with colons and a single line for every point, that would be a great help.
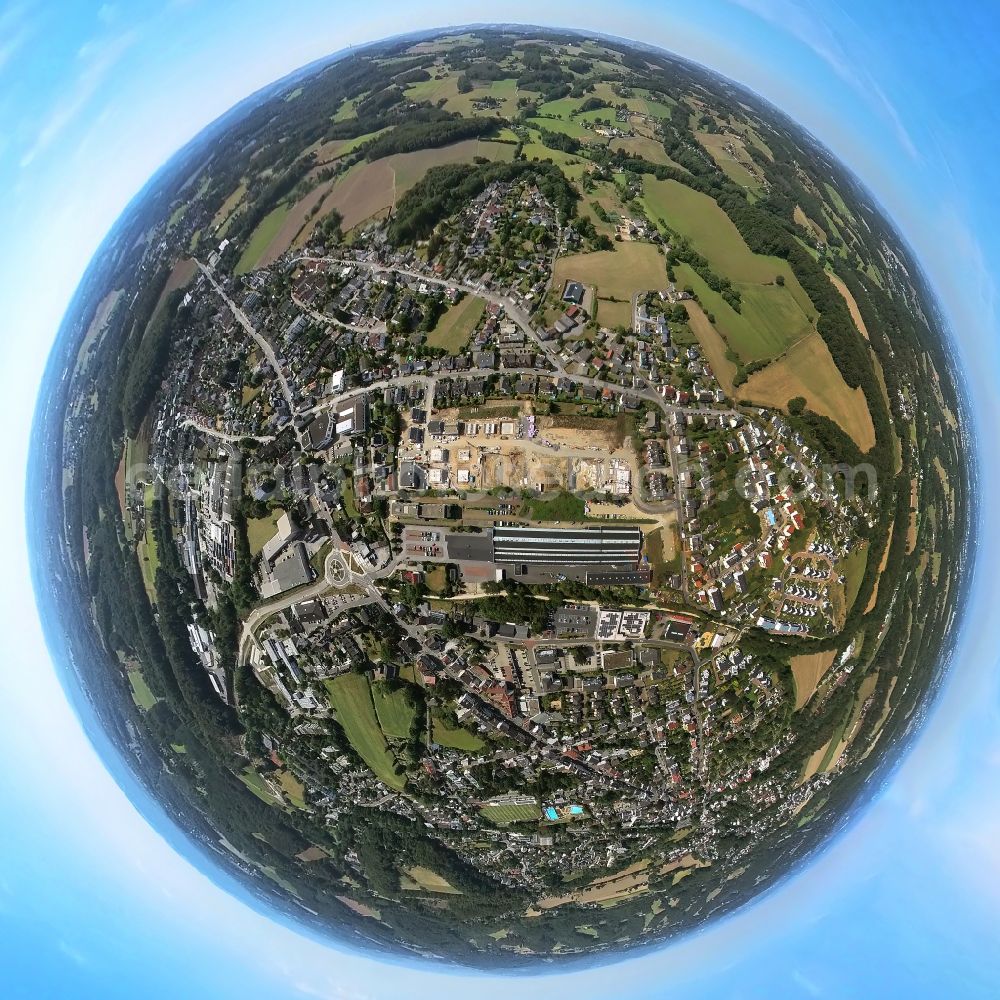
x: 455, y: 327
x: 261, y: 238
x: 394, y: 711
x: 503, y: 815
x: 437, y: 580
x: 141, y: 695
x: 457, y: 739
x: 149, y: 559
x: 350, y: 506
x: 351, y: 698
x: 562, y: 507
x: 262, y: 529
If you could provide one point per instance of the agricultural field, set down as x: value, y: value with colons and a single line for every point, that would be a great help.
x: 351, y: 698
x: 418, y: 878
x: 292, y: 787
x: 456, y: 326
x: 808, y: 670
x: 852, y: 305
x: 739, y: 167
x: 713, y: 345
x: 227, y: 209
x: 369, y: 189
x: 807, y: 369
x: 616, y: 275
x: 261, y: 239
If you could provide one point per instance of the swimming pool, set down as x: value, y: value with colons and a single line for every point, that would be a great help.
x: 550, y: 813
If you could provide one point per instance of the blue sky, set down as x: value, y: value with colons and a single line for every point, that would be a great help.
x: 96, y: 902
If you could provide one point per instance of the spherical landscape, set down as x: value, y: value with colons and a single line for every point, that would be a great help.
x: 504, y: 494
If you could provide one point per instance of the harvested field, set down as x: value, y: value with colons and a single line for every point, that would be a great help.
x: 739, y: 167
x: 368, y: 189
x: 631, y: 881
x: 852, y: 305
x: 808, y: 670
x: 418, y: 877
x: 713, y: 345
x: 801, y: 219
x: 881, y: 568
x: 808, y: 369
x: 616, y: 275
x: 293, y: 221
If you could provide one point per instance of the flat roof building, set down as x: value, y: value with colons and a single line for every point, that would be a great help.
x: 567, y: 547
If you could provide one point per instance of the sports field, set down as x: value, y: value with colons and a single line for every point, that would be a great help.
x: 454, y: 328
x: 141, y: 695
x: 351, y: 699
x: 503, y: 815
x: 808, y: 370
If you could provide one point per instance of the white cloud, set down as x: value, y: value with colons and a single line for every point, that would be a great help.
x: 96, y: 59
x: 16, y: 29
x: 819, y: 36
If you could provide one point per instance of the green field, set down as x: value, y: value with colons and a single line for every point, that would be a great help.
x: 454, y: 328
x: 141, y: 695
x: 562, y: 507
x: 351, y: 698
x: 261, y: 238
x: 504, y: 815
x: 255, y: 783
x: 772, y: 316
x: 768, y: 323
x: 457, y: 739
x: 570, y: 128
x: 394, y: 711
x: 261, y: 529
x: 149, y: 559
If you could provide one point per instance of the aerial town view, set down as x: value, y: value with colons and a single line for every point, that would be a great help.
x: 512, y: 488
